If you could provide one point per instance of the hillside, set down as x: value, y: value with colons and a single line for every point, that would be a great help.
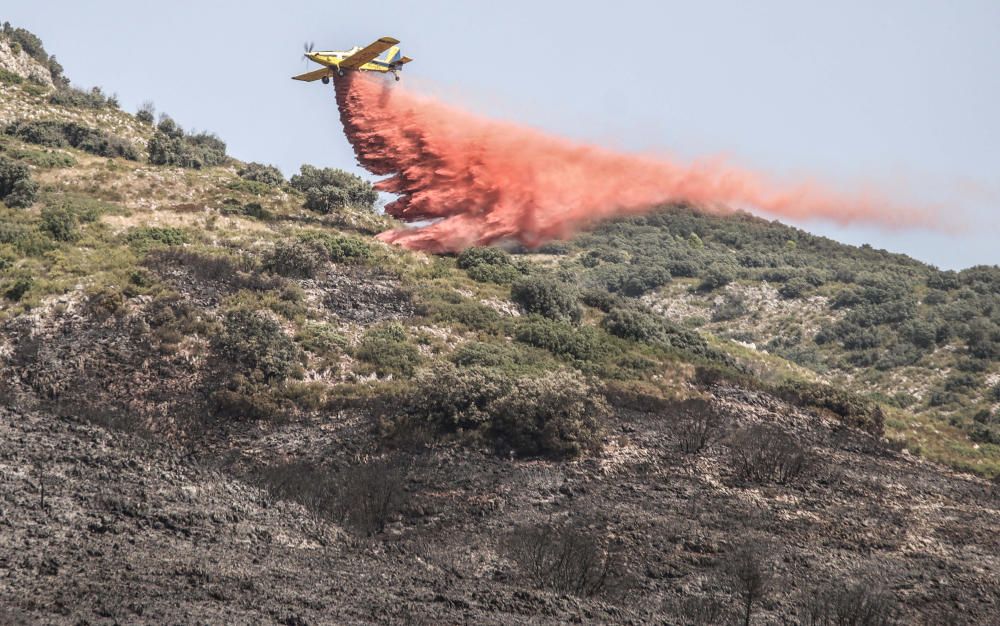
x: 243, y: 407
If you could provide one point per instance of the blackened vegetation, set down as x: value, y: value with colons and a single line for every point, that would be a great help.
x: 765, y: 454
x: 565, y: 558
x: 365, y: 496
x: 862, y: 603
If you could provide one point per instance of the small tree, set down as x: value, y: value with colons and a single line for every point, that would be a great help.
x: 146, y: 113
x: 749, y: 576
x: 548, y: 298
x: 17, y: 190
x: 328, y: 189
x: 258, y: 172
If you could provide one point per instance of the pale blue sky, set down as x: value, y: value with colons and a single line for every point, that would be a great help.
x: 900, y: 94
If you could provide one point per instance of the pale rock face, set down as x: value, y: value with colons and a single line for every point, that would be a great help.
x: 23, y: 65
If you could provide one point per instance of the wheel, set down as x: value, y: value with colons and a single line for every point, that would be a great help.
x: 326, y: 80
x: 397, y: 78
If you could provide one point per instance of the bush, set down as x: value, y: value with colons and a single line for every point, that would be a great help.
x: 294, y: 259
x: 795, y: 288
x: 145, y: 236
x: 60, y: 223
x: 764, y: 454
x: 17, y: 190
x: 95, y: 98
x: 340, y: 248
x: 370, y: 494
x: 698, y: 425
x: 260, y: 173
x: 563, y: 339
x: 385, y: 347
x: 489, y: 265
x: 146, y: 113
x: 170, y: 145
x: 16, y: 290
x: 59, y: 134
x: 556, y: 415
x: 328, y: 189
x: 253, y: 341
x: 564, y: 559
x: 718, y: 275
x: 732, y: 307
x: 548, y: 298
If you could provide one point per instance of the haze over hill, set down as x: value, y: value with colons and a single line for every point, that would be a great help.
x: 222, y: 394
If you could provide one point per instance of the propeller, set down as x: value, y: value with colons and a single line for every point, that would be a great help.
x: 308, y: 48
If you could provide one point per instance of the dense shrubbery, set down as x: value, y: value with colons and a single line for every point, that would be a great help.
x: 548, y: 298
x: 170, y: 145
x: 93, y: 98
x: 145, y: 236
x: 563, y: 339
x: 328, y: 189
x: 490, y: 265
x: 59, y: 134
x: 260, y: 173
x: 17, y: 189
x: 386, y: 349
x: 557, y: 414
x: 639, y: 324
x: 295, y: 259
x: 339, y: 248
x: 253, y: 342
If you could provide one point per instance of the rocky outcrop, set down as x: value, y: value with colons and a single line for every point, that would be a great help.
x: 23, y: 65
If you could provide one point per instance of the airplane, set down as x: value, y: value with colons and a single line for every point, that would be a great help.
x: 357, y: 58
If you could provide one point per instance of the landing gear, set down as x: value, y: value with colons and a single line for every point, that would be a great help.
x: 326, y: 80
x: 396, y: 75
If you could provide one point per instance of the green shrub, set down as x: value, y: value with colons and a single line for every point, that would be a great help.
x: 252, y: 341
x: 94, y: 98
x: 260, y: 173
x: 58, y: 134
x: 17, y: 190
x: 294, y: 259
x: 484, y: 354
x: 146, y: 113
x: 328, y: 189
x: 386, y: 349
x: 490, y: 265
x: 548, y: 298
x: 145, y: 236
x: 557, y: 415
x: 718, y: 275
x: 10, y: 78
x: 794, y: 288
x: 45, y: 159
x: 340, y: 248
x: 170, y: 145
x: 563, y: 339
x: 60, y: 223
x: 16, y: 289
x: 635, y: 324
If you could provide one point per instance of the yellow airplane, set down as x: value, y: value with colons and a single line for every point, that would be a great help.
x: 357, y: 58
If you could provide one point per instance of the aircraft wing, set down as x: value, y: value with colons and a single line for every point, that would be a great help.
x: 404, y: 61
x: 368, y: 53
x: 314, y: 75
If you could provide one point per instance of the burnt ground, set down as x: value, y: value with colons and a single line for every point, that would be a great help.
x: 131, y: 531
x: 153, y: 513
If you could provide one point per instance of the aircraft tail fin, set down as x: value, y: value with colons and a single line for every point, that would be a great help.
x: 392, y: 55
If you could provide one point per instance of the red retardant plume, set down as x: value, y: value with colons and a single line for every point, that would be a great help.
x: 481, y: 181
